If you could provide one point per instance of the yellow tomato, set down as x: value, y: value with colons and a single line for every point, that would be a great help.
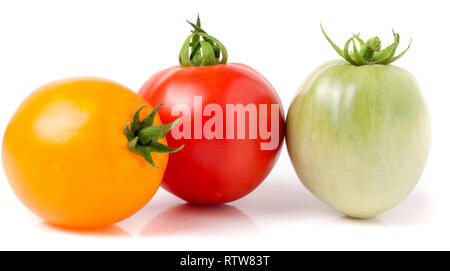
x: 67, y: 159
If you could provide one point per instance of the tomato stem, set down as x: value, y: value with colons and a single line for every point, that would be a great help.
x: 201, y: 49
x: 143, y: 136
x: 369, y: 52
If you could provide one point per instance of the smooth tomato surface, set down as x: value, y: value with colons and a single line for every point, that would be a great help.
x: 359, y: 136
x: 67, y: 160
x: 214, y: 171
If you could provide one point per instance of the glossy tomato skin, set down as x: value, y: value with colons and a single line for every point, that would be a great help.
x: 214, y: 171
x: 67, y: 160
x: 359, y: 136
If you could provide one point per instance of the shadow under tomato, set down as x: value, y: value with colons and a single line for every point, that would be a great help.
x: 285, y: 198
x: 280, y: 198
x: 187, y: 219
x: 109, y: 231
x: 416, y: 209
x: 349, y: 221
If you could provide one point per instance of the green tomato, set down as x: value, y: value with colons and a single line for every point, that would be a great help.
x: 359, y: 136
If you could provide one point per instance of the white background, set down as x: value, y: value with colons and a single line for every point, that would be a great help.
x: 128, y: 41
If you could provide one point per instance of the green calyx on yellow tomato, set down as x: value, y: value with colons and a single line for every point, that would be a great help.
x: 369, y: 52
x: 201, y: 49
x: 143, y: 135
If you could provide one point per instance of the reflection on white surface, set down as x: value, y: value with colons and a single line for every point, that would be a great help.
x: 186, y: 219
x: 110, y: 231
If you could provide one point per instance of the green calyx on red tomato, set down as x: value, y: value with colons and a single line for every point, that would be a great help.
x: 369, y: 52
x: 201, y: 49
x: 143, y: 135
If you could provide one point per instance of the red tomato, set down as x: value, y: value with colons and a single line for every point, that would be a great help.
x: 232, y: 122
x: 214, y: 171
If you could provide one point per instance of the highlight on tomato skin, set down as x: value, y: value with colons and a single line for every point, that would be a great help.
x: 358, y: 131
x: 223, y: 159
x: 68, y: 160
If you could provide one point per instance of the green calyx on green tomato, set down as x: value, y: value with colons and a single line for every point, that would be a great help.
x: 358, y: 132
x: 370, y: 52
